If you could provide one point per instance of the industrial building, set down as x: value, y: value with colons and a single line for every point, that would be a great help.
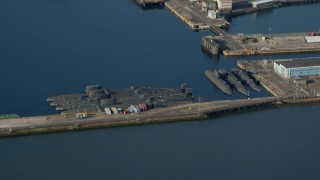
x: 260, y: 4
x: 209, y: 5
x: 212, y: 14
x: 297, y: 68
x: 224, y: 5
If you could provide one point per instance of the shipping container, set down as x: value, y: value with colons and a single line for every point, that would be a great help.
x: 134, y: 109
x: 107, y: 110
x: 120, y: 110
x: 143, y: 107
x: 114, y: 110
x: 137, y: 108
x: 131, y: 109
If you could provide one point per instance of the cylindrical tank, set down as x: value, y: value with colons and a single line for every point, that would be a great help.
x: 107, y: 102
x: 188, y: 91
x: 98, y: 97
x: 183, y: 88
x: 92, y: 87
x: 94, y: 93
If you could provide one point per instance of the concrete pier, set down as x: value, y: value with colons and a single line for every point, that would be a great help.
x: 209, y: 46
x: 240, y: 44
x: 261, y: 44
x: 184, y: 112
x: 193, y: 16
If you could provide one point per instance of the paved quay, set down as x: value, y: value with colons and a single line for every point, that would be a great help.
x: 193, y: 15
x: 277, y: 86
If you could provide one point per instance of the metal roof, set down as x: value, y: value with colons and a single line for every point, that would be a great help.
x: 299, y: 63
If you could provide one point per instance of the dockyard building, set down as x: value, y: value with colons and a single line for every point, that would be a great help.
x: 224, y: 5
x: 297, y: 68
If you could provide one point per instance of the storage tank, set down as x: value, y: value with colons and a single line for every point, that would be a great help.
x: 92, y: 87
x: 107, y: 102
x: 99, y: 97
x: 183, y: 88
x: 188, y: 91
x: 94, y: 93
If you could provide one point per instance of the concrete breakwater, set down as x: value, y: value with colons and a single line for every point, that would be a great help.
x: 184, y: 112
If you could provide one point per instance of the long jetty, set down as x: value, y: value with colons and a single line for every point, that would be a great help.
x: 185, y: 112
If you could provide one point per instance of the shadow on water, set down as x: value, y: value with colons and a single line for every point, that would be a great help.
x: 147, y: 6
x: 257, y: 13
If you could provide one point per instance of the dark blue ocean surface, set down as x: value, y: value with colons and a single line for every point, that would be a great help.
x: 279, y: 143
x: 53, y: 47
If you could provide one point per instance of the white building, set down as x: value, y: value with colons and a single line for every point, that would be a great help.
x: 212, y: 14
x: 297, y: 68
x: 262, y: 4
x: 224, y: 5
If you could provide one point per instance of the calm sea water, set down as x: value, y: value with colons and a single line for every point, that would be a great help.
x: 55, y: 47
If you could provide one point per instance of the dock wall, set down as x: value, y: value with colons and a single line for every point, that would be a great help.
x: 272, y: 51
x: 177, y: 13
x: 191, y: 24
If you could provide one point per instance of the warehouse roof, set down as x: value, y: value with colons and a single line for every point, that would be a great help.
x: 299, y: 63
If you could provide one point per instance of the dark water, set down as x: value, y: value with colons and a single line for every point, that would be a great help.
x: 54, y: 47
